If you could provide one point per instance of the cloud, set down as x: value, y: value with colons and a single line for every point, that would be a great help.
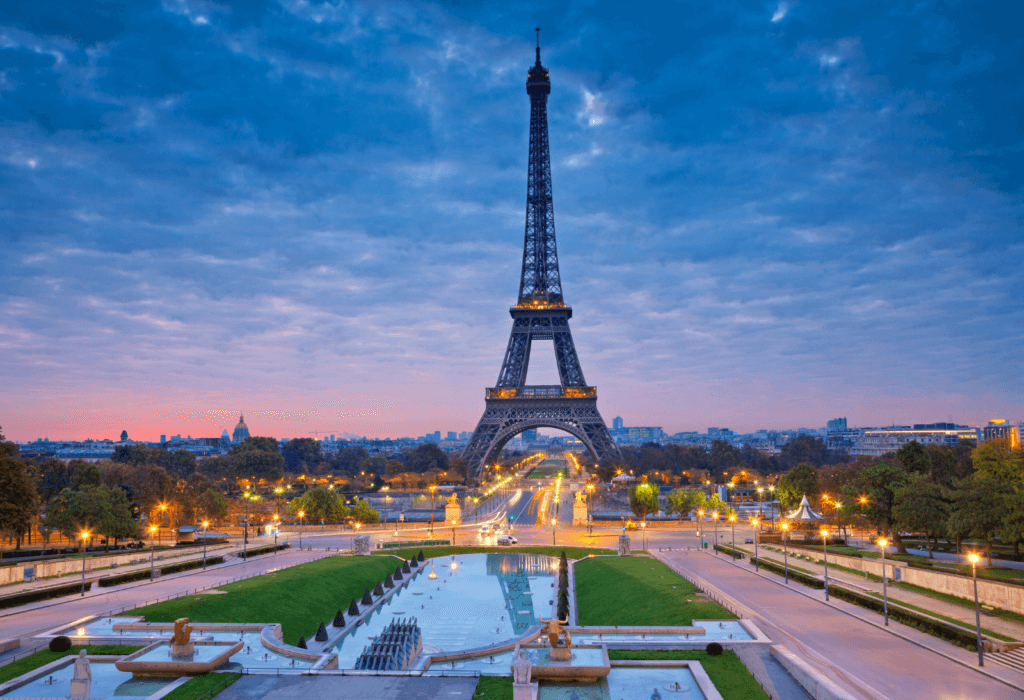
x: 298, y: 206
x: 780, y: 12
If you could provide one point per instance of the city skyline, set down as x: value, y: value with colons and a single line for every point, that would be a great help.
x: 313, y: 215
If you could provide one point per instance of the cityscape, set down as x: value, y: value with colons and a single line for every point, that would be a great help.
x: 770, y: 216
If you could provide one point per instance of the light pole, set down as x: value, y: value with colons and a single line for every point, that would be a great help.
x: 974, y: 559
x: 714, y: 515
x: 824, y: 547
x: 432, y: 488
x: 732, y: 520
x: 302, y: 514
x: 385, y: 489
x: 163, y: 511
x: 757, y: 563
x: 760, y: 501
x: 85, y: 538
x: 882, y: 544
x: 590, y: 502
x: 206, y: 524
x: 700, y: 528
x: 153, y: 529
x: 643, y: 534
x: 785, y: 549
x: 772, y: 490
x: 277, y: 528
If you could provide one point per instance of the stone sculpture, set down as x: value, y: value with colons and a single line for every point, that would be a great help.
x: 555, y: 631
x: 81, y: 682
x: 522, y: 669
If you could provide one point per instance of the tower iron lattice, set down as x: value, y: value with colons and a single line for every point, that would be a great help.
x: 540, y: 314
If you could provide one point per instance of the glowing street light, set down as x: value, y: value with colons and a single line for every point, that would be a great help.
x: 824, y: 546
x: 714, y: 516
x: 757, y: 562
x: 882, y: 544
x: 85, y: 537
x: 432, y: 489
x: 732, y: 519
x: 206, y: 525
x: 974, y: 559
x: 302, y: 514
x: 153, y: 529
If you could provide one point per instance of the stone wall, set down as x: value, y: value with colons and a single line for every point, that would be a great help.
x: 63, y: 567
x: 871, y: 566
x: 12, y: 574
x: 998, y: 595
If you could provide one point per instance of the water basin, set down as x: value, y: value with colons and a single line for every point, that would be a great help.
x: 107, y: 682
x: 628, y: 683
x: 482, y: 601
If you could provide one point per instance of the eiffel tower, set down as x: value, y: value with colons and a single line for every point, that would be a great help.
x: 541, y: 314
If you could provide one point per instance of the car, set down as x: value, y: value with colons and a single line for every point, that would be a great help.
x: 749, y: 540
x: 507, y: 540
x: 485, y: 529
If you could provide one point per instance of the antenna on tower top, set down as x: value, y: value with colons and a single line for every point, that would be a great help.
x: 537, y: 29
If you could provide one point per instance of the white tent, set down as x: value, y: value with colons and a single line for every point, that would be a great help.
x: 804, y: 514
x: 623, y: 478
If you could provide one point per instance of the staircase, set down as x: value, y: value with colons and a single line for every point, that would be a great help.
x: 1011, y: 659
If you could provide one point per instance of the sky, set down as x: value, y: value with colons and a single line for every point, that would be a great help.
x: 768, y: 214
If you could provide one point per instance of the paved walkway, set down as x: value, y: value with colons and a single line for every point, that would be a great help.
x: 355, y: 687
x: 860, y: 656
x: 1009, y: 628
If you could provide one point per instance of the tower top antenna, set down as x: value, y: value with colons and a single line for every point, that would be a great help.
x: 537, y: 29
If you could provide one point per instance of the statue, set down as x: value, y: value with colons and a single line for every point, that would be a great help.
x: 81, y: 682
x: 522, y: 669
x: 580, y: 499
x: 454, y: 500
x: 182, y: 631
x: 181, y: 644
x: 555, y: 629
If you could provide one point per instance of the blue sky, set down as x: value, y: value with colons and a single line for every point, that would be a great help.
x: 768, y: 214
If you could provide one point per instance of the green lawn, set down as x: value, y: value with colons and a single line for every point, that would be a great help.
x: 300, y: 597
x: 443, y: 551
x: 546, y: 473
x: 41, y: 658
x: 638, y: 591
x: 727, y: 672
x: 951, y: 620
x: 493, y: 688
x: 198, y: 687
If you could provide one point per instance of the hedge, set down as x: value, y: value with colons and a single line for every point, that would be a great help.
x: 798, y: 576
x: 257, y: 551
x: 141, y: 574
x: 726, y: 549
x: 38, y: 594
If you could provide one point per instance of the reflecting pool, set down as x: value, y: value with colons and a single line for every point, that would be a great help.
x: 476, y: 600
x: 630, y: 683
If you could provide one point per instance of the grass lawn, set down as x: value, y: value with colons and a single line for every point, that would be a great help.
x: 300, y: 597
x: 962, y: 602
x: 546, y: 473
x: 727, y: 672
x: 951, y: 620
x: 199, y: 686
x: 638, y: 591
x: 493, y: 688
x: 41, y: 658
x: 432, y: 552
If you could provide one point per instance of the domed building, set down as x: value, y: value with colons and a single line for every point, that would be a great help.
x: 241, y: 431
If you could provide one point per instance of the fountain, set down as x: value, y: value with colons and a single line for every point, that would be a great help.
x: 558, y: 660
x: 183, y: 657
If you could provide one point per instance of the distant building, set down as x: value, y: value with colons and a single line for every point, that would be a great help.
x: 452, y: 435
x: 529, y: 435
x: 836, y: 424
x: 124, y: 436
x: 720, y: 432
x: 241, y: 431
x: 163, y: 438
x: 998, y: 428
x: 225, y: 439
x: 617, y: 423
x: 875, y: 442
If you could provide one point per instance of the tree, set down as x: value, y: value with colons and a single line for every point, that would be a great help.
x: 261, y: 444
x: 320, y: 504
x: 877, y: 484
x: 979, y: 509
x: 683, y: 501
x: 259, y: 463
x: 150, y: 483
x: 52, y: 477
x: 914, y: 458
x: 84, y: 474
x: 363, y: 513
x: 213, y: 505
x: 643, y: 499
x: 921, y: 506
x: 350, y: 460
x: 804, y: 449
x: 301, y: 454
x: 427, y: 457
x: 801, y: 480
x: 993, y: 459
x: 180, y: 463
x: 18, y: 503
x: 96, y: 509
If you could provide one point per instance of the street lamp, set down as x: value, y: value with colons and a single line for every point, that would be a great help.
x: 732, y: 519
x: 882, y: 544
x: 772, y: 489
x: 974, y: 559
x: 153, y: 529
x: 757, y: 563
x: 206, y: 524
x: 785, y: 549
x: 643, y: 534
x: 385, y: 489
x: 277, y: 528
x: 824, y: 546
x: 700, y: 528
x: 163, y: 511
x: 302, y: 514
x: 432, y: 488
x: 760, y: 500
x: 714, y: 515
x: 554, y: 529
x: 85, y: 537
x: 590, y: 499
